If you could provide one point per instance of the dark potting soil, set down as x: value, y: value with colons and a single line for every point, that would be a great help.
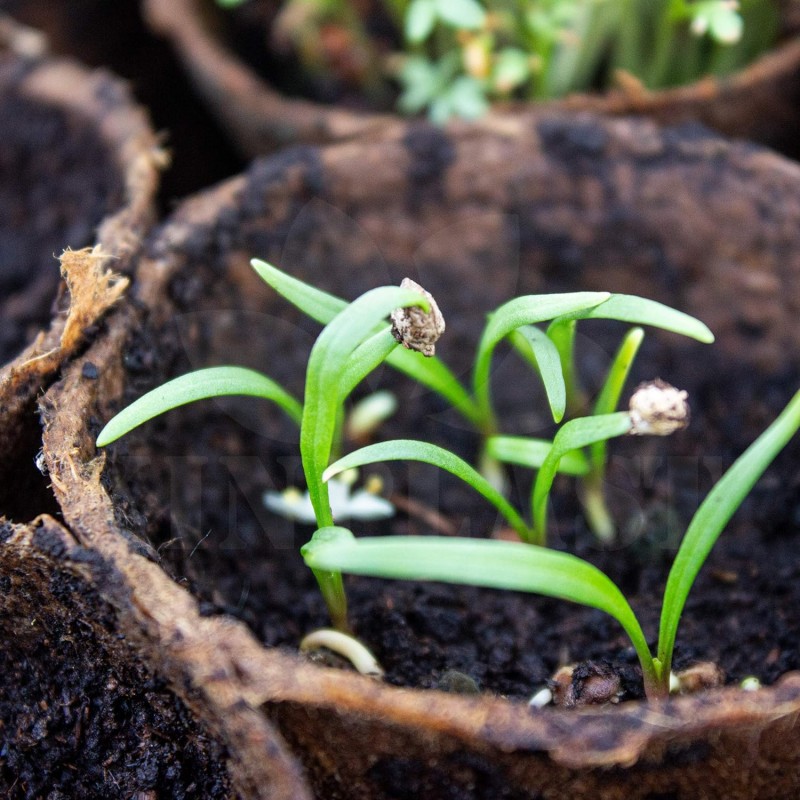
x: 56, y: 185
x: 200, y: 475
x: 79, y: 717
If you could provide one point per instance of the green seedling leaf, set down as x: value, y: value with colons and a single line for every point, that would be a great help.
x: 320, y: 306
x: 510, y: 566
x: 347, y: 349
x: 562, y: 334
x: 512, y: 68
x: 641, y: 311
x: 527, y: 310
x: 539, y: 351
x: 367, y: 357
x: 466, y: 98
x: 420, y: 19
x: 411, y: 450
x: 199, y: 385
x: 712, y: 517
x: 323, y: 307
x: 573, y: 435
x: 327, y: 375
x: 420, y: 79
x: 623, y: 308
x: 608, y: 398
x: 531, y: 453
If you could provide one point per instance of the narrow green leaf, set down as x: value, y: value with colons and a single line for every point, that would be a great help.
x: 512, y: 566
x: 539, y: 351
x: 315, y: 303
x: 411, y: 450
x: 323, y: 307
x: 562, y: 333
x: 199, y: 385
x: 712, y: 517
x: 608, y: 398
x: 641, y: 311
x: 573, y: 435
x: 367, y: 357
x: 527, y: 310
x: 527, y: 452
x: 327, y: 364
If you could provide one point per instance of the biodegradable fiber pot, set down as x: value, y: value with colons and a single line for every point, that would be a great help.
x: 541, y: 202
x: 758, y: 103
x: 78, y: 167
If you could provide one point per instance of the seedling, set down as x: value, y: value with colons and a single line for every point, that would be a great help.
x: 531, y: 568
x: 356, y: 339
x: 351, y: 346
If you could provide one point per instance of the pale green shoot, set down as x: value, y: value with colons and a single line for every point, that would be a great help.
x: 369, y: 413
x: 199, y: 385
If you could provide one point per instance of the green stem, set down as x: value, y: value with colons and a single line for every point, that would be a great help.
x: 592, y: 493
x: 656, y: 680
x: 573, y: 435
x: 593, y: 500
x: 608, y: 398
x: 331, y: 586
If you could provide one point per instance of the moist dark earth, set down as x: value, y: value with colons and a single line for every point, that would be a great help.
x: 79, y: 715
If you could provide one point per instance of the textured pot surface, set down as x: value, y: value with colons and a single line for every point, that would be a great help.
x: 79, y: 166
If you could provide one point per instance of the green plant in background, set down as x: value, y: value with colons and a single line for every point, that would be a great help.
x: 458, y: 56
x: 530, y: 568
